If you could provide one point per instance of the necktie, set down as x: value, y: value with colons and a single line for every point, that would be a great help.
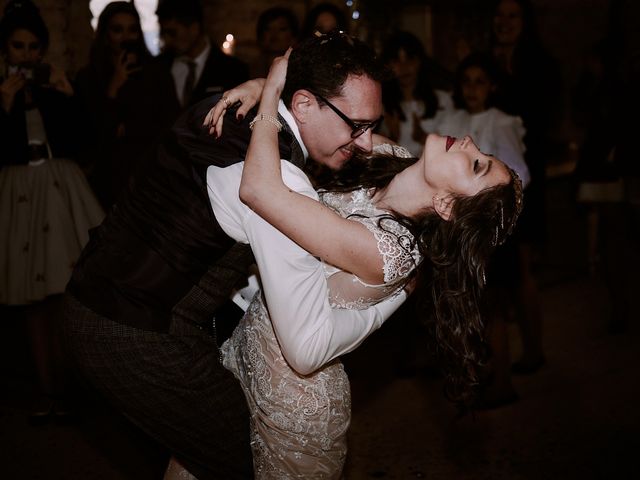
x: 189, y: 82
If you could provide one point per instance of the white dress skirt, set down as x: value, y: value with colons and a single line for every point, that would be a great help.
x: 46, y: 211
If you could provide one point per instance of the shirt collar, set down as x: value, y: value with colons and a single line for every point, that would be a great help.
x: 201, y: 59
x: 286, y: 114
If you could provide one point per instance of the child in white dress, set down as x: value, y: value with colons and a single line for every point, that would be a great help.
x: 495, y: 132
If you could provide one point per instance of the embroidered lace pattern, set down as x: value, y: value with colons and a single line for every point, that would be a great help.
x: 299, y: 423
x: 400, y: 257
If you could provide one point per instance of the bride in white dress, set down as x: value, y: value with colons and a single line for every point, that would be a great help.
x: 299, y: 422
x: 371, y: 237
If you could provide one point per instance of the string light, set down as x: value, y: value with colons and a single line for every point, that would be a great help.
x: 228, y: 44
x: 353, y: 7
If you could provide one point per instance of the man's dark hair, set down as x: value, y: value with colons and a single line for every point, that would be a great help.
x: 186, y: 12
x: 322, y: 64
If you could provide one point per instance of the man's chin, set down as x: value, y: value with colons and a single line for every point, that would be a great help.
x: 338, y: 165
x: 334, y: 164
x: 342, y: 158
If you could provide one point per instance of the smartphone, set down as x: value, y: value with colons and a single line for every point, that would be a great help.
x: 34, y: 73
x: 134, y: 51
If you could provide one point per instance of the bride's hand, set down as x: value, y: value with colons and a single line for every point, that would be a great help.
x: 277, y: 74
x: 246, y: 95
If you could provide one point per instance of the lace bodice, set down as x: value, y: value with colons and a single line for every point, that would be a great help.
x: 298, y: 423
x: 395, y: 244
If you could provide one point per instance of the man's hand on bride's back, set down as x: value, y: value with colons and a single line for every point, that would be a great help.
x: 245, y: 96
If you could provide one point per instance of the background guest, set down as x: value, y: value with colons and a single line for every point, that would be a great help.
x: 411, y: 104
x: 606, y: 106
x: 46, y: 205
x: 324, y: 18
x: 109, y: 88
x: 198, y: 68
x: 530, y: 87
x: 277, y: 29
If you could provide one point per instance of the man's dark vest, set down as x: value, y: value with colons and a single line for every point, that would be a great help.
x: 160, y: 252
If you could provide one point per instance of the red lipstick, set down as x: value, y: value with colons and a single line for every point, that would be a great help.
x: 450, y: 142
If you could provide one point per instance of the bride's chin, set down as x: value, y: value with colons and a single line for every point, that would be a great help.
x: 431, y: 137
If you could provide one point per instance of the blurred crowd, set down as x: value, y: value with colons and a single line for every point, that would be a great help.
x: 69, y: 145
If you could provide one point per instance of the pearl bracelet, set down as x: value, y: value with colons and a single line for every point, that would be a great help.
x: 269, y: 118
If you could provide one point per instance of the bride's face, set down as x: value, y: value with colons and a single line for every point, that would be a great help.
x: 457, y: 167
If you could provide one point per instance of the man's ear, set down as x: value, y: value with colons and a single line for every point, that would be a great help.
x: 301, y: 105
x: 443, y: 204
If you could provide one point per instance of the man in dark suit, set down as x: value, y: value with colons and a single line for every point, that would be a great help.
x: 148, y: 303
x: 196, y: 68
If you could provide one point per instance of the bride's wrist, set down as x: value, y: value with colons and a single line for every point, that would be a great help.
x: 269, y: 103
x: 271, y: 92
x: 265, y: 118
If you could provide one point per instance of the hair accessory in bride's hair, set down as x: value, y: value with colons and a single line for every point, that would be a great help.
x: 334, y: 34
x: 501, y: 233
x: 517, y: 187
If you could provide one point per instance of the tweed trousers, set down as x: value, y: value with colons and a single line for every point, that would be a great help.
x: 172, y: 385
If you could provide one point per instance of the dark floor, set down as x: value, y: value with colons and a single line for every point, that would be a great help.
x: 577, y: 418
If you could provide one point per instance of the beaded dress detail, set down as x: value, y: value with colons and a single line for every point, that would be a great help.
x: 299, y: 423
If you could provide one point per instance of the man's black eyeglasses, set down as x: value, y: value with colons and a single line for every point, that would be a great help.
x: 357, y: 128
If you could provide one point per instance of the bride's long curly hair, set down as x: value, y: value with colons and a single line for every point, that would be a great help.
x: 456, y: 253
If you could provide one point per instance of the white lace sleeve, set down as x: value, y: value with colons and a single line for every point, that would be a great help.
x: 395, y: 150
x: 394, y: 241
x: 395, y: 246
x: 399, y: 256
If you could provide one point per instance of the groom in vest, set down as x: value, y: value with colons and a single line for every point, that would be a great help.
x: 148, y: 302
